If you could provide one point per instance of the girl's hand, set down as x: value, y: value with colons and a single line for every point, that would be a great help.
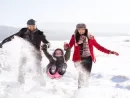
x: 66, y: 46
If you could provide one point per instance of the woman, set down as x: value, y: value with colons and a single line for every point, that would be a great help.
x: 83, y: 55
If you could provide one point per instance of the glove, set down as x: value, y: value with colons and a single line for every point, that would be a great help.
x: 44, y: 47
x: 115, y: 53
x: 0, y: 45
x: 48, y: 45
x: 66, y: 46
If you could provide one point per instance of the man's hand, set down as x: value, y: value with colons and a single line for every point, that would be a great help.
x: 48, y: 45
x: 44, y: 47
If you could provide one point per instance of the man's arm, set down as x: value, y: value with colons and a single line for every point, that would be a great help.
x: 50, y: 58
x: 12, y: 36
x: 43, y: 39
x: 9, y: 38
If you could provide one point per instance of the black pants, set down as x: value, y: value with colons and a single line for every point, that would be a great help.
x: 61, y: 69
x: 86, y: 62
x: 84, y: 69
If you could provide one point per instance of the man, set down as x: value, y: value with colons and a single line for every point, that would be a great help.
x: 33, y: 35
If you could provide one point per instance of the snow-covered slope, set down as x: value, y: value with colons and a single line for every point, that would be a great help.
x: 110, y: 76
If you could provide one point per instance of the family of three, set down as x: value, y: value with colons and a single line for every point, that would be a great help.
x: 83, y: 56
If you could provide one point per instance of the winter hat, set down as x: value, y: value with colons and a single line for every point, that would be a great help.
x: 81, y: 25
x: 31, y: 22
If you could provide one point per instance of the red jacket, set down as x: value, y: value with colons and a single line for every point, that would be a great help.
x: 92, y: 42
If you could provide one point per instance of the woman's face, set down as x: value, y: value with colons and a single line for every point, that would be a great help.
x: 58, y: 53
x: 81, y: 31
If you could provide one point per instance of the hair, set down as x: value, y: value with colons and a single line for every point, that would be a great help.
x: 56, y: 50
x: 77, y: 35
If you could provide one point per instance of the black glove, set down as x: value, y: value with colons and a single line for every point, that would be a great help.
x: 0, y: 45
x: 44, y: 47
x: 48, y: 45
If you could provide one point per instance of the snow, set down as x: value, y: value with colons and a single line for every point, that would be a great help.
x: 110, y: 77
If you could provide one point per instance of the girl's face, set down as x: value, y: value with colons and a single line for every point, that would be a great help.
x: 58, y: 53
x: 81, y: 31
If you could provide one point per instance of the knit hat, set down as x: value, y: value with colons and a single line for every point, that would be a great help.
x: 31, y: 22
x: 81, y: 25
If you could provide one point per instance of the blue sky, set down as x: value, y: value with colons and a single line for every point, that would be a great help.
x: 17, y: 12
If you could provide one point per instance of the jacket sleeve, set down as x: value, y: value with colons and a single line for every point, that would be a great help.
x: 67, y: 54
x: 43, y: 38
x: 99, y: 47
x: 11, y: 37
x: 49, y: 57
x: 72, y: 41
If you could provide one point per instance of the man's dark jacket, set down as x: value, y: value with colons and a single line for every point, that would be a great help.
x: 34, y: 37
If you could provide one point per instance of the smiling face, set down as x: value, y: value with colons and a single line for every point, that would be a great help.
x: 58, y: 53
x: 31, y: 27
x: 81, y: 31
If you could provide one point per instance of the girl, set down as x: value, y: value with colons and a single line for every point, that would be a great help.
x: 57, y: 61
x: 83, y: 55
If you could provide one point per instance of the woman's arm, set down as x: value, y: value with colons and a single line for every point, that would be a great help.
x: 99, y: 47
x: 72, y: 41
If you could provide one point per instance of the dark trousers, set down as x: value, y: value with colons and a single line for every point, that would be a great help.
x: 86, y: 62
x: 60, y: 69
x: 84, y: 69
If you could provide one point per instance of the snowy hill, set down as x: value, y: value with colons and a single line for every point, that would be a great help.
x: 51, y: 34
x: 6, y: 31
x: 110, y: 77
x: 65, y: 30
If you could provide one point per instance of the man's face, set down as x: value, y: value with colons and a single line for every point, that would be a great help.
x: 31, y: 27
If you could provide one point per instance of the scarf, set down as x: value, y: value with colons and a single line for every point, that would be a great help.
x: 85, y: 48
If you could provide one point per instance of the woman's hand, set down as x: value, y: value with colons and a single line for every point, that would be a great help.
x: 66, y: 46
x: 115, y: 53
